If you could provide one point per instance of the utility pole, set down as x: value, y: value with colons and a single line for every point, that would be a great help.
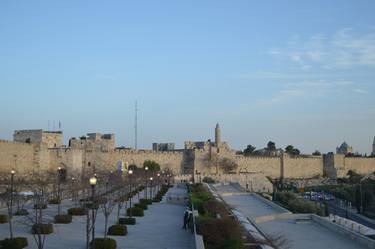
x: 136, y: 126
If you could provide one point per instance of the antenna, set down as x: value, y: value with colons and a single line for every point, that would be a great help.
x: 59, y: 125
x: 136, y: 126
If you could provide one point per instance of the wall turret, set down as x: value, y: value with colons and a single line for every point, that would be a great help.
x: 217, y: 135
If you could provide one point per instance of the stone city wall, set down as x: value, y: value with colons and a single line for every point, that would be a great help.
x: 17, y: 156
x: 302, y: 167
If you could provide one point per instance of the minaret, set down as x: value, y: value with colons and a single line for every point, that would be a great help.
x: 217, y: 135
x: 373, y: 147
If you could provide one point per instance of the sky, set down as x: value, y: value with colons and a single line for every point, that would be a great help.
x: 294, y: 72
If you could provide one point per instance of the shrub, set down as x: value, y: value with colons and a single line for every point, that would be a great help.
x: 127, y: 221
x: 207, y: 179
x: 136, y: 211
x: 42, y: 229
x: 230, y: 244
x: 78, y: 211
x: 141, y: 205
x: 101, y: 243
x: 4, y: 218
x: 216, y: 231
x: 40, y: 206
x: 118, y: 230
x: 54, y: 201
x: 63, y: 219
x: 15, y: 243
x: 21, y: 212
x: 157, y: 199
x: 145, y: 201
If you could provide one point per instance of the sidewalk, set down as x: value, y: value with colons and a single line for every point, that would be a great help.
x: 160, y: 228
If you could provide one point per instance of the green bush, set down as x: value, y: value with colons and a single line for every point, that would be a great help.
x: 127, y: 221
x: 136, y: 211
x: 295, y: 205
x: 78, y: 211
x: 54, y: 201
x: 230, y: 244
x: 21, y: 212
x: 40, y: 206
x: 141, y: 205
x: 101, y: 243
x: 15, y: 243
x: 42, y: 229
x: 145, y: 201
x: 4, y: 218
x: 63, y: 219
x: 118, y: 230
x: 207, y: 179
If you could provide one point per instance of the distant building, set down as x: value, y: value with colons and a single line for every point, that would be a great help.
x: 51, y: 139
x: 344, y: 149
x: 163, y: 146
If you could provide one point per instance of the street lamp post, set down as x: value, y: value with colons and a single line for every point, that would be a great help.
x: 158, y: 182
x: 130, y: 192
x: 12, y: 172
x: 58, y: 189
x: 146, y: 169
x: 151, y: 179
x: 93, y: 182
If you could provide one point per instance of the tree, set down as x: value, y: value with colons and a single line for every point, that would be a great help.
x: 228, y: 165
x: 152, y: 165
x: 291, y: 150
x: 271, y: 146
x: 316, y: 153
x: 107, y: 206
x: 249, y: 150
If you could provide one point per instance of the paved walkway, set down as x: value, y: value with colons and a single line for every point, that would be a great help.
x: 160, y: 228
x: 308, y: 235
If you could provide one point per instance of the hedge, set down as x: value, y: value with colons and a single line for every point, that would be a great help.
x: 54, y: 201
x: 141, y: 205
x: 117, y: 230
x: 145, y: 201
x: 42, y: 229
x: 127, y: 221
x: 101, y: 243
x: 135, y: 211
x: 63, y: 219
x: 40, y: 206
x: 15, y: 243
x: 78, y: 211
x: 21, y: 212
x: 4, y: 218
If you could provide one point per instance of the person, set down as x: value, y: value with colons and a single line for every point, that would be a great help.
x: 186, y: 217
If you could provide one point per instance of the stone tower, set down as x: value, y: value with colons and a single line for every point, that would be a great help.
x: 373, y: 147
x: 217, y: 135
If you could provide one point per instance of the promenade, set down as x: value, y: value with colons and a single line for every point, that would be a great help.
x: 160, y: 228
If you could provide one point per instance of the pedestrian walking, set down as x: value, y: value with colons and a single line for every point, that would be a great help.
x: 186, y: 217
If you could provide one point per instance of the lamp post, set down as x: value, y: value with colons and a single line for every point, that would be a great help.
x: 151, y: 179
x: 158, y: 182
x: 93, y: 181
x: 146, y: 169
x: 130, y: 192
x: 12, y: 172
x: 58, y: 189
x: 72, y: 187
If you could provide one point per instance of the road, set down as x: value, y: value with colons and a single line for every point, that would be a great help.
x: 335, y: 209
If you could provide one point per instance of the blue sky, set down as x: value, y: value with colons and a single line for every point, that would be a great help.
x: 295, y: 72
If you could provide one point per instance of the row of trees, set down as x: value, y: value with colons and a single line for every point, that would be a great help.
x: 271, y: 147
x: 112, y: 189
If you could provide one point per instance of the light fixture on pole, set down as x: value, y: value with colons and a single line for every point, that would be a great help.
x: 146, y: 169
x: 151, y: 179
x: 12, y: 172
x: 158, y: 181
x: 130, y: 192
x: 93, y: 182
x: 58, y: 189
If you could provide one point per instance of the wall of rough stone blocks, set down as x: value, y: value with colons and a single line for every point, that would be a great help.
x: 25, y: 157
x: 303, y: 167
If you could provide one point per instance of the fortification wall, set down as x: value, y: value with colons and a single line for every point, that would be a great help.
x: 17, y: 156
x: 360, y: 165
x: 302, y: 167
x: 68, y: 158
x: 268, y: 166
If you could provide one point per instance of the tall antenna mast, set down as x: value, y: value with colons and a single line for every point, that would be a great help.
x: 136, y: 126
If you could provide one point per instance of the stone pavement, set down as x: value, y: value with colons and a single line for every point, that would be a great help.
x: 160, y: 228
